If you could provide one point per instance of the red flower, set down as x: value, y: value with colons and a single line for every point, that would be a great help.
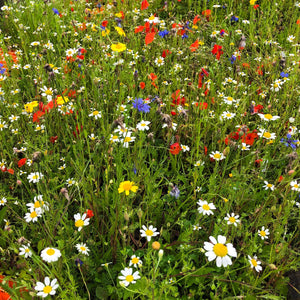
x: 89, y: 213
x: 104, y: 23
x: 175, y: 148
x: 152, y: 76
x: 201, y: 105
x: 144, y: 4
x: 257, y: 162
x: 53, y: 139
x: 142, y: 85
x: 11, y: 171
x: 196, y: 19
x: 256, y: 6
x: 22, y: 162
x: 217, y: 50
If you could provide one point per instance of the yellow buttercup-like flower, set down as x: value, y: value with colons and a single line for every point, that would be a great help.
x: 120, y: 31
x: 118, y: 47
x: 127, y: 186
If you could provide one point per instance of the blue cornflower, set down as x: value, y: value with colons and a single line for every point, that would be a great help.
x: 234, y: 19
x: 140, y: 105
x: 55, y: 11
x: 185, y: 36
x: 289, y: 142
x: 163, y: 33
x: 282, y: 74
x: 232, y: 59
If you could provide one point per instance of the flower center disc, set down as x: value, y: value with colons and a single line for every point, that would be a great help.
x: 79, y: 223
x: 47, y: 289
x: 129, y: 278
x: 135, y: 260
x: 254, y: 263
x: 50, y: 252
x: 220, y: 250
x: 149, y: 232
x: 205, y: 207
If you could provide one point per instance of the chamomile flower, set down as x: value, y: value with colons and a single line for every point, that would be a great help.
x: 96, y: 114
x: 295, y: 186
x: 50, y: 254
x: 32, y: 215
x: 244, y: 147
x: 255, y: 263
x: 24, y: 250
x: 227, y: 115
x: 3, y: 201
x: 290, y: 38
x: 205, y: 208
x: 232, y: 219
x: 217, y: 249
x: 35, y: 177
x: 143, y: 125
x: 263, y: 233
x: 199, y: 163
x: 228, y: 100
x: 81, y: 221
x: 47, y: 92
x: 217, y: 155
x: 159, y: 61
x: 39, y: 205
x: 266, y: 134
x: 268, y: 186
x: 128, y: 276
x: 185, y: 148
x: 82, y: 248
x: 135, y: 261
x: 114, y: 138
x: 149, y: 232
x: 197, y: 227
x: 92, y: 136
x: 268, y: 117
x: 47, y: 288
x: 70, y: 182
x: 127, y: 139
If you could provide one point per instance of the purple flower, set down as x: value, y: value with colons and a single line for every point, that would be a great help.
x: 289, y: 142
x: 140, y: 105
x: 163, y: 33
x: 175, y: 192
x: 55, y: 11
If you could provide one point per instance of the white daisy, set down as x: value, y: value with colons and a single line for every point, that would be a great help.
x: 205, y: 208
x: 255, y: 263
x: 185, y: 148
x: 263, y: 233
x: 24, y: 250
x: 81, y: 221
x: 50, y: 254
x: 128, y: 277
x: 143, y: 125
x: 35, y: 177
x: 268, y: 186
x: 82, y: 248
x: 295, y: 186
x: 32, y: 216
x: 3, y: 201
x: 47, y: 92
x: 49, y: 288
x: 135, y: 261
x: 266, y: 134
x: 148, y: 232
x: 268, y: 117
x: 217, y: 155
x: 97, y: 114
x: 220, y: 250
x: 232, y: 219
x: 244, y: 147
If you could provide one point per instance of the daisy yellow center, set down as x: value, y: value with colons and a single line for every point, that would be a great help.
x: 135, y: 260
x: 229, y: 98
x: 114, y: 137
x: 1, y: 125
x: 33, y: 215
x: 217, y: 155
x: 47, y: 289
x: 228, y: 115
x: 95, y: 113
x: 143, y: 124
x: 269, y: 185
x: 79, y: 223
x: 35, y: 176
x: 50, y: 252
x: 48, y: 92
x: 149, y: 232
x: 262, y: 233
x: 232, y: 219
x: 127, y: 139
x: 220, y: 250
x: 82, y: 248
x: 275, y: 85
x: 268, y: 116
x: 37, y: 204
x: 267, y: 135
x: 129, y: 278
x: 205, y: 207
x: 254, y: 263
x: 27, y: 250
x: 159, y: 61
x: 296, y: 186
x: 151, y: 18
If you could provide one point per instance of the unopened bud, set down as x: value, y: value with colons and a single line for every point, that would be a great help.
x: 160, y: 253
x: 156, y: 245
x: 291, y: 172
x: 64, y: 191
x: 126, y: 216
x: 140, y: 213
x: 272, y: 267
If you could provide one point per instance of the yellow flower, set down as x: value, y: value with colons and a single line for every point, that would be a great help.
x: 118, y: 15
x: 127, y: 186
x: 252, y: 2
x: 118, y: 47
x: 120, y: 31
x: 105, y: 32
x: 30, y: 106
x: 62, y: 100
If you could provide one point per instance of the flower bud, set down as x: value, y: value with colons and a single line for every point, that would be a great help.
x: 156, y: 245
x: 160, y: 253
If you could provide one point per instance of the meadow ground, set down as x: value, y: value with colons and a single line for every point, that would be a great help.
x: 149, y: 149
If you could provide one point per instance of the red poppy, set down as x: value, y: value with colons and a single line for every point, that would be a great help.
x: 11, y: 171
x: 175, y: 148
x: 152, y: 76
x: 257, y: 162
x: 53, y: 139
x: 165, y: 53
x: 196, y: 19
x: 89, y: 213
x: 142, y: 85
x: 201, y: 105
x: 104, y: 23
x: 22, y: 162
x: 217, y: 50
x: 256, y: 6
x: 280, y: 178
x: 194, y: 46
x: 144, y: 4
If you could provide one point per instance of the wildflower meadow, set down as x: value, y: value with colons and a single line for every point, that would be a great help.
x: 149, y: 149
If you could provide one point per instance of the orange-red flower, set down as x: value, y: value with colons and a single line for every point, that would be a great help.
x: 175, y: 148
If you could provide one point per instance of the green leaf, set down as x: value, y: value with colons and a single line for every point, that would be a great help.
x: 2, y: 213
